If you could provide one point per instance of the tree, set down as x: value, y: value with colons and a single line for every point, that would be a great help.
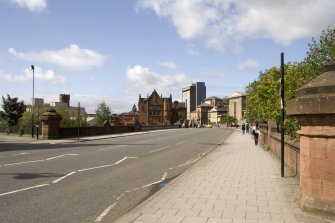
x: 134, y: 109
x: 321, y: 51
x: 228, y: 120
x: 68, y: 121
x: 102, y: 113
x: 12, y: 111
x: 263, y: 94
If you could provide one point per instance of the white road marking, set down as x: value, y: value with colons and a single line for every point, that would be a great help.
x: 145, y: 141
x: 190, y: 162
x: 55, y: 157
x: 35, y: 161
x: 105, y: 212
x: 148, y: 185
x: 109, y: 208
x: 63, y: 177
x: 164, y: 176
x: 120, y: 161
x: 112, y: 147
x: 28, y: 188
x: 179, y: 143
x: 127, y: 157
x: 153, y: 151
x: 97, y: 167
x: 20, y: 154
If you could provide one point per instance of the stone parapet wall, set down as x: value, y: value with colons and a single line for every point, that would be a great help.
x: 314, y: 107
x: 68, y: 132
x: 272, y: 142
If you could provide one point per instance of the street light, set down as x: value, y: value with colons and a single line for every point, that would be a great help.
x: 32, y: 104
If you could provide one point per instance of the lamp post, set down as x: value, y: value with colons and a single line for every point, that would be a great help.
x: 32, y: 103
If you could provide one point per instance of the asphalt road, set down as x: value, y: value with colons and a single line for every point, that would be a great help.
x: 94, y: 181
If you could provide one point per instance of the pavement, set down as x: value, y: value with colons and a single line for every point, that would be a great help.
x: 237, y: 182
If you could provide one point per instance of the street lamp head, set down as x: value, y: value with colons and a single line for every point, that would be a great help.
x: 32, y: 67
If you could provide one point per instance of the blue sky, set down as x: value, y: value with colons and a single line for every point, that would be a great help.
x: 114, y: 50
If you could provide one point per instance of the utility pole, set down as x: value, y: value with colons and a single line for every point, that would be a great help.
x: 78, y: 119
x: 282, y: 113
x: 32, y: 102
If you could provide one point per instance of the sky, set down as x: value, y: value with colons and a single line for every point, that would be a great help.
x: 112, y: 51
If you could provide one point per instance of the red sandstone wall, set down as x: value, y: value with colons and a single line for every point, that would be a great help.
x: 291, y: 149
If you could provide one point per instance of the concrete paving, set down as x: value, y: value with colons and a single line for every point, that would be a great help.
x: 238, y: 182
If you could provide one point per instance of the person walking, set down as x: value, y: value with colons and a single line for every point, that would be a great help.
x: 243, y: 128
x: 255, y: 131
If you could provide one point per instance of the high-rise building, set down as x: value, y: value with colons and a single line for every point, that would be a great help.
x: 200, y: 92
x: 193, y: 95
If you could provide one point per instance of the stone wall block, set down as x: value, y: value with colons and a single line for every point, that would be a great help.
x: 305, y: 183
x: 330, y: 150
x: 318, y: 148
x: 316, y: 188
x: 322, y: 169
x: 305, y: 165
x: 314, y: 106
x: 304, y: 145
x: 328, y: 192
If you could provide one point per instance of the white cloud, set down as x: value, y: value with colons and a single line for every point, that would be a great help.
x: 142, y: 79
x: 223, y: 24
x: 32, y: 5
x: 39, y: 74
x: 169, y: 65
x: 247, y: 64
x: 73, y: 57
x: 192, y: 49
x: 5, y: 77
x: 212, y: 74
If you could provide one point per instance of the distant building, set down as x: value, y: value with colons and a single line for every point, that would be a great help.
x: 178, y: 112
x: 213, y: 100
x: 219, y: 109
x: 199, y: 116
x: 156, y: 110
x: 192, y: 96
x: 128, y: 118
x: 237, y: 105
x: 64, y: 102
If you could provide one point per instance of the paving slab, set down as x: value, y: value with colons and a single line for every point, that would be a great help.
x: 237, y: 182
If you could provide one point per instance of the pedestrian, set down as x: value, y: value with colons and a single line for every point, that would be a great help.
x: 243, y: 128
x: 255, y: 131
x: 247, y: 128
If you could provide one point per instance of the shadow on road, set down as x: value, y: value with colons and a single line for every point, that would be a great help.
x: 26, y: 176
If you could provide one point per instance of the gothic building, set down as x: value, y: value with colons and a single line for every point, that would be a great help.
x: 156, y: 110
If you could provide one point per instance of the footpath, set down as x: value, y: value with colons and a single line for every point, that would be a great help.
x: 237, y: 182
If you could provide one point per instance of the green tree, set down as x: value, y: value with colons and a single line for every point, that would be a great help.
x: 68, y: 121
x: 24, y: 122
x: 102, y: 113
x: 321, y: 50
x: 263, y: 96
x: 228, y: 120
x: 12, y: 111
x: 134, y: 109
